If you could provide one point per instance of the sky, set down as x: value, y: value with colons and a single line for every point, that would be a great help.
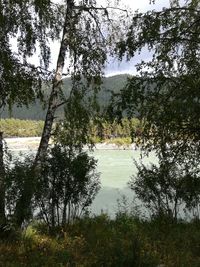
x: 142, y: 5
x: 114, y: 67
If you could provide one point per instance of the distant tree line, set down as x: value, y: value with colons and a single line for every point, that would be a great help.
x: 101, y: 130
x: 21, y: 128
x: 117, y: 129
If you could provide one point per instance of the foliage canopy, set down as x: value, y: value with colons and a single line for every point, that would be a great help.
x: 28, y: 24
x: 166, y: 95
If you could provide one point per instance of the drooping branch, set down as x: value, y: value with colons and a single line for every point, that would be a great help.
x: 105, y: 9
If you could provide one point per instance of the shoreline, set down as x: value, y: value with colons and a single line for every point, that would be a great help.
x: 31, y: 143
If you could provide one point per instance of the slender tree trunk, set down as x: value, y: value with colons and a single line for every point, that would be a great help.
x: 44, y: 214
x: 2, y: 184
x: 54, y: 98
x: 58, y: 214
x: 53, y: 213
x: 69, y: 212
x: 64, y: 213
x: 53, y: 102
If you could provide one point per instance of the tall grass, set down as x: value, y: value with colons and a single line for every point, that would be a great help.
x: 126, y: 241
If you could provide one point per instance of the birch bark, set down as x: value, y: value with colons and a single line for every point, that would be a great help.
x: 54, y: 99
x: 2, y: 184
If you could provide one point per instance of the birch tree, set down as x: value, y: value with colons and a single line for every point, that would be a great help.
x: 24, y: 27
x: 166, y: 95
x: 169, y: 81
x: 88, y: 34
x: 28, y: 23
x: 2, y: 185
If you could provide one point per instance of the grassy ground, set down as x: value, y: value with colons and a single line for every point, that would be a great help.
x: 100, y: 241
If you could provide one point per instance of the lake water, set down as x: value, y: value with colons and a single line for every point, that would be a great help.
x: 116, y: 168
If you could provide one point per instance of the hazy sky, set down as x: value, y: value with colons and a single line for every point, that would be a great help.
x: 142, y: 5
x: 115, y: 67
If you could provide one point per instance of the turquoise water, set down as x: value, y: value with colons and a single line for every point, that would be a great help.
x: 116, y: 168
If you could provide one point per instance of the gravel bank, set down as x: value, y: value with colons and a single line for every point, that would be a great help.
x: 31, y: 143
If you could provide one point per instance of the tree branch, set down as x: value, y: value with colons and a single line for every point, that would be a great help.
x: 61, y: 104
x: 97, y: 24
x: 99, y: 8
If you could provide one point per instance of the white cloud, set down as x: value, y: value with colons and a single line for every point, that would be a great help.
x: 144, y: 5
x: 116, y: 67
x: 141, y: 5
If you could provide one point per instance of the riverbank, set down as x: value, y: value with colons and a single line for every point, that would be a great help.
x: 32, y: 143
x: 22, y: 143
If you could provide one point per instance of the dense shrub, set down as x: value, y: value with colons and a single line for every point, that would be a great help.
x: 67, y: 185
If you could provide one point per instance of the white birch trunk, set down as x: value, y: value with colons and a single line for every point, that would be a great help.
x: 2, y: 184
x: 53, y: 100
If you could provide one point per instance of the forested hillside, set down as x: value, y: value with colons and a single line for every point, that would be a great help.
x: 37, y: 110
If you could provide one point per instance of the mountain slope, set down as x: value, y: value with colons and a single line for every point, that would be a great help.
x: 37, y: 111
